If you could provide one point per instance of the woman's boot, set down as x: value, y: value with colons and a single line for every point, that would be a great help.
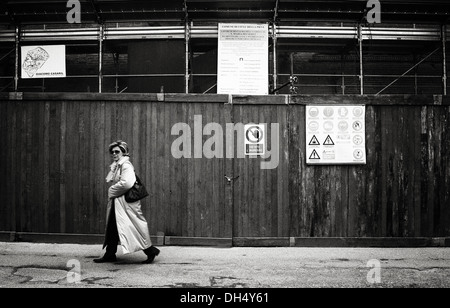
x: 151, y: 253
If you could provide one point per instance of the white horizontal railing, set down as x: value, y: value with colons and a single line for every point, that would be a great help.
x: 412, y: 34
x: 316, y: 32
x: 7, y: 36
x: 178, y: 32
x: 136, y: 33
x: 204, y: 32
x: 59, y: 34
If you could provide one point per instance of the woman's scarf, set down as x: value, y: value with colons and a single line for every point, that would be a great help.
x: 114, y: 167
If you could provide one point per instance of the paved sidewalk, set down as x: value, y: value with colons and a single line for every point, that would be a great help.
x: 25, y: 265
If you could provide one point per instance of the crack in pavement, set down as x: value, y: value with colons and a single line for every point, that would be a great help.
x: 51, y: 275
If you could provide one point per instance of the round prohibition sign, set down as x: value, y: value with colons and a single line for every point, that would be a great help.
x: 254, y: 134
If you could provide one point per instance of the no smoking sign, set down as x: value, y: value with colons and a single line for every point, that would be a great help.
x: 254, y: 139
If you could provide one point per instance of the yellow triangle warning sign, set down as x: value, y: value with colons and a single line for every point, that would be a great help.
x: 314, y: 155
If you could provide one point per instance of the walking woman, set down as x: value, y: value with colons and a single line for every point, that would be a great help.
x: 125, y: 222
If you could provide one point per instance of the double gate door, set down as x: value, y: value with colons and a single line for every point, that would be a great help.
x: 217, y: 191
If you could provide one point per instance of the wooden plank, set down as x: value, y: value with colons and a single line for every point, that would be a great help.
x: 304, y: 169
x: 92, y: 133
x: 382, y: 100
x: 241, y: 201
x: 261, y: 241
x: 432, y: 130
x: 5, y: 210
x: 345, y: 208
x: 165, y: 165
x: 178, y: 175
x: 412, y: 126
x: 206, y: 180
x: 323, y: 197
x: 309, y: 195
x: 227, y: 212
x: 109, y: 110
x: 259, y: 100
x: 370, y: 200
x: 294, y: 172
x: 79, y: 96
x: 167, y: 172
x: 333, y: 200
x: 394, y: 170
x: 190, y: 208
x: 184, y: 185
x: 198, y: 241
x: 44, y: 161
x: 168, y: 175
x: 424, y: 171
x: 11, y: 172
x: 196, y: 98
x: 217, y: 197
x: 152, y: 212
x: 30, y: 213
x: 400, y: 174
x: 85, y: 154
x: 194, y: 210
x: 364, y: 242
x: 101, y: 164
x: 265, y: 207
x: 409, y: 173
x: 20, y: 169
x: 416, y: 167
x: 437, y: 119
x: 41, y: 170
x: 282, y: 170
x: 379, y: 100
x: 254, y: 181
x: 376, y: 173
x: 445, y: 194
x: 40, y: 237
x: 52, y: 160
x: 412, y: 155
x: 72, y: 144
x: 158, y: 210
x: 387, y: 187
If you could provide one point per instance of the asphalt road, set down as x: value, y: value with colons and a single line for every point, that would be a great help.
x: 31, y: 265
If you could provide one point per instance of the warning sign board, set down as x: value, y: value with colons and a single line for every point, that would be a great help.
x: 335, y: 134
x: 314, y: 155
x: 328, y: 141
x: 254, y: 139
x: 314, y: 141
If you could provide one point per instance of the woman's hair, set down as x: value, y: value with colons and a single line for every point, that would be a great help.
x: 123, y: 146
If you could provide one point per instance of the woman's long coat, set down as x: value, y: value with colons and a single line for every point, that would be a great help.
x: 131, y: 223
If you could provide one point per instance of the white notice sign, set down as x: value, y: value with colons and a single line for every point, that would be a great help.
x: 254, y: 139
x: 45, y: 61
x: 335, y: 135
x: 243, y: 59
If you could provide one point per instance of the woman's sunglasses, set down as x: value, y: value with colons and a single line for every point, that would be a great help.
x: 115, y: 152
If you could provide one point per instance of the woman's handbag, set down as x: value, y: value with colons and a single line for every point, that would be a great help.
x: 137, y: 192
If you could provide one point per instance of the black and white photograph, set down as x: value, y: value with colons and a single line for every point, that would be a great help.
x: 224, y: 152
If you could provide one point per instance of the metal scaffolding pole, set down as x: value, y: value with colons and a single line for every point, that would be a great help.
x: 361, y: 68
x: 274, y: 51
x: 16, y: 61
x: 100, y: 59
x: 186, y: 43
x: 444, y: 59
